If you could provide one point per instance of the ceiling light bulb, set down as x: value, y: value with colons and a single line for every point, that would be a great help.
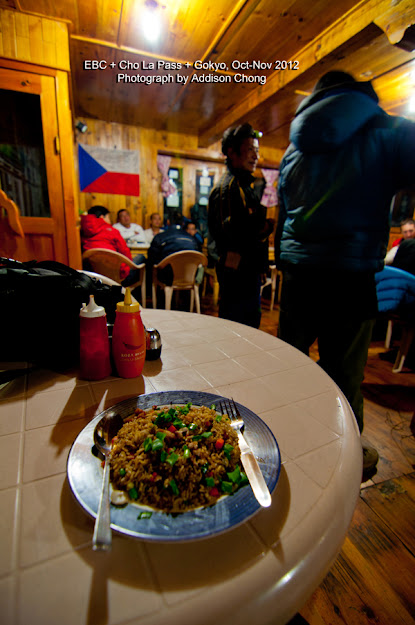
x: 151, y: 24
x: 412, y: 104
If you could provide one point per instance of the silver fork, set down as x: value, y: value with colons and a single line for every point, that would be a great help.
x: 249, y: 462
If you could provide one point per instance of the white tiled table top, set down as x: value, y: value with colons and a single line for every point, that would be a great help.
x: 260, y: 572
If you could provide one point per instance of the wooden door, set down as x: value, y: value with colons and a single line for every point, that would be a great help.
x: 30, y: 164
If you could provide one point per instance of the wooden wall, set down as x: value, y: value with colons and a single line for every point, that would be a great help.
x: 184, y: 152
x: 34, y: 57
x: 147, y: 142
x: 34, y: 39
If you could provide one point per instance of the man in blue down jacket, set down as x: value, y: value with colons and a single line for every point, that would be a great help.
x: 346, y: 160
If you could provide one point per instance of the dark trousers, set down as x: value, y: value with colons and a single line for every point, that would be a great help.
x: 239, y: 296
x: 134, y: 274
x: 337, y: 309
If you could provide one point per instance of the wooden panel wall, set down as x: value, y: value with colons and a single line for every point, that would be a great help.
x: 148, y: 142
x: 38, y: 46
x: 189, y: 167
x: 123, y: 137
x: 34, y: 39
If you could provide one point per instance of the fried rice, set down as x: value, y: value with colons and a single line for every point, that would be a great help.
x: 176, y: 458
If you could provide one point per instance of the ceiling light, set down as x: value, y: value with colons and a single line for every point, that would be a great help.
x: 150, y: 21
x: 412, y: 104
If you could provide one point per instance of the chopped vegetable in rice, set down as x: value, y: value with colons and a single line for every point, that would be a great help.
x: 176, y: 458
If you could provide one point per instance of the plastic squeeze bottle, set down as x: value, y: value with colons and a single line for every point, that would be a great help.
x: 128, y: 338
x: 94, y: 343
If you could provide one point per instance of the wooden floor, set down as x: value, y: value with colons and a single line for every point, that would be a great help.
x: 373, y: 579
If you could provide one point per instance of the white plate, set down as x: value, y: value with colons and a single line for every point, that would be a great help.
x: 85, y: 477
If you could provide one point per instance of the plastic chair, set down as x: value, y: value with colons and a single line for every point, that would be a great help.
x: 211, y: 272
x: 272, y: 280
x: 408, y: 335
x: 10, y: 226
x: 395, y: 289
x: 13, y: 214
x: 184, y: 267
x: 108, y: 263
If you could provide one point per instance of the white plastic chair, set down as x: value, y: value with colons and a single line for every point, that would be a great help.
x: 272, y: 280
x: 184, y: 267
x: 108, y: 263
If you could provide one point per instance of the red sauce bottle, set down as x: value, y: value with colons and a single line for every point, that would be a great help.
x: 128, y: 338
x: 94, y: 351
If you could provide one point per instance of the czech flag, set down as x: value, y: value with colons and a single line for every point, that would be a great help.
x: 108, y: 171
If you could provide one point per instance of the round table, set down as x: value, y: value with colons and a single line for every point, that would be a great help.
x: 260, y: 572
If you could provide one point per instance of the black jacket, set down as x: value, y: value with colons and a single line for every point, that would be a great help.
x: 172, y: 240
x: 237, y: 222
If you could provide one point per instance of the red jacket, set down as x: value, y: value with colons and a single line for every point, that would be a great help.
x: 95, y: 232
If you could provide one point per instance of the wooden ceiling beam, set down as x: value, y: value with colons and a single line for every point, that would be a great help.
x: 199, y: 155
x: 218, y: 37
x: 392, y: 20
x: 135, y: 51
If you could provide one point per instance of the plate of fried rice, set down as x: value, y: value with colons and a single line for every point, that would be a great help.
x: 176, y: 473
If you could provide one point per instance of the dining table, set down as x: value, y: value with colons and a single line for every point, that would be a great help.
x: 139, y: 248
x: 259, y: 570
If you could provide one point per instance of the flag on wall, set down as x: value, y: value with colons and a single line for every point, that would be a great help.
x: 103, y: 170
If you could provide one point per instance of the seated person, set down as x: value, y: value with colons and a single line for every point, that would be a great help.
x: 97, y: 232
x: 173, y: 239
x: 405, y: 256
x: 155, y: 228
x: 191, y: 229
x: 407, y: 232
x: 199, y: 215
x: 132, y: 233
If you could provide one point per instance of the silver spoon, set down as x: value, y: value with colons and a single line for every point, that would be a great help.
x: 104, y: 432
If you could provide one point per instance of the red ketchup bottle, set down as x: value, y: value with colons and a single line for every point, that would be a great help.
x: 128, y: 338
x: 94, y: 343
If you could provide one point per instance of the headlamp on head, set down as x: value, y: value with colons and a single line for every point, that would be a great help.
x: 234, y: 136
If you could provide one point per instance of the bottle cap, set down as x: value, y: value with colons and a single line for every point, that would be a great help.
x: 92, y: 309
x: 127, y: 305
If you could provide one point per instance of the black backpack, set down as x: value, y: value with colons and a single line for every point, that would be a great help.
x: 39, y: 311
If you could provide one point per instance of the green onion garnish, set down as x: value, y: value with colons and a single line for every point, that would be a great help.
x: 172, y: 458
x: 174, y: 488
x: 132, y: 493
x: 144, y: 515
x: 235, y: 475
x: 157, y: 445
x: 226, y: 486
